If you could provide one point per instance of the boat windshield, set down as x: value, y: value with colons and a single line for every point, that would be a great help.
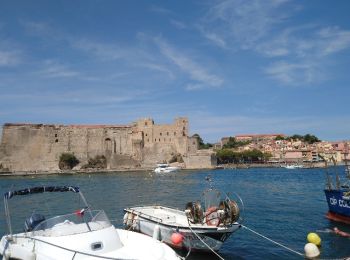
x: 162, y: 165
x: 70, y: 224
x: 211, y: 198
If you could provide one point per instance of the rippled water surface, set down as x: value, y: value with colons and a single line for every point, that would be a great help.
x: 284, y: 205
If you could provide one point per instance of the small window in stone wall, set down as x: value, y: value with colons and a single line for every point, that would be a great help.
x: 160, y: 134
x: 159, y: 139
x: 167, y: 133
x: 56, y: 141
x: 146, y: 134
x: 55, y: 135
x: 174, y: 133
x: 155, y: 140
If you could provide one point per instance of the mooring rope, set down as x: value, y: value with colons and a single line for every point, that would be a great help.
x: 205, y: 243
x: 269, y: 239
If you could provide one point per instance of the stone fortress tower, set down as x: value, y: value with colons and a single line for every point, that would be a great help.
x: 140, y: 145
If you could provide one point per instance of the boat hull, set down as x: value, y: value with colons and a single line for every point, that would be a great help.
x: 195, y: 237
x: 133, y: 246
x: 339, y: 205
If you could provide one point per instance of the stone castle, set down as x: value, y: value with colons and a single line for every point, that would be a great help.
x: 140, y: 145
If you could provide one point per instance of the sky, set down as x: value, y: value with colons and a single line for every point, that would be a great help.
x: 232, y: 67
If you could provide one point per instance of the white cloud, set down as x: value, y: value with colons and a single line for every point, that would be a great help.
x: 160, y: 10
x: 243, y: 22
x: 300, y: 73
x: 103, y: 51
x: 333, y: 39
x: 189, y: 66
x: 178, y: 24
x: 56, y: 70
x: 216, y: 39
x: 38, y: 28
x: 9, y: 58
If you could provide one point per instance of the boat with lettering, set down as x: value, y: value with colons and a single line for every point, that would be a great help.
x: 192, y: 228
x: 338, y: 194
x: 84, y: 234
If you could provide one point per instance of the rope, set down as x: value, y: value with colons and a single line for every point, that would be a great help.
x: 269, y: 239
x: 189, y: 225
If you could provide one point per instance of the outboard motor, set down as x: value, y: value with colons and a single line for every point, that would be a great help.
x: 31, y: 222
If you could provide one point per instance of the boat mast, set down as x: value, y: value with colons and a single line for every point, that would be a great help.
x: 346, y: 153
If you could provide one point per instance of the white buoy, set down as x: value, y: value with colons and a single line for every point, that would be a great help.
x: 311, y: 250
x: 156, y: 232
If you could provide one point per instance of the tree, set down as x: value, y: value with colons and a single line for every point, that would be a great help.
x: 98, y: 162
x: 308, y: 138
x: 67, y: 161
x: 311, y: 139
x: 225, y: 156
x: 201, y: 144
x: 232, y: 143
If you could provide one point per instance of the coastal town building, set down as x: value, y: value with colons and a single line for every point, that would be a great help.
x: 285, y: 150
x: 139, y: 145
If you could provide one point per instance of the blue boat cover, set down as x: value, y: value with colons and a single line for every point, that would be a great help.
x: 10, y: 194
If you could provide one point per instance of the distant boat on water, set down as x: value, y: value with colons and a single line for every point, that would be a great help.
x: 293, y: 166
x: 165, y: 168
x: 338, y: 197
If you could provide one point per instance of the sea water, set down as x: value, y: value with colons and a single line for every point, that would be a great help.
x: 283, y: 205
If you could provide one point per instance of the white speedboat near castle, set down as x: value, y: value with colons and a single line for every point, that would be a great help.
x: 293, y: 166
x: 165, y: 168
x: 84, y: 234
x: 191, y: 228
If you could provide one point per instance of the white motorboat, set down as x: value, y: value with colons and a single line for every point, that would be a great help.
x: 165, y: 168
x: 293, y: 166
x: 84, y: 234
x: 191, y: 228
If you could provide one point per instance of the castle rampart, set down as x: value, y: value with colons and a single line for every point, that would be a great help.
x: 37, y: 147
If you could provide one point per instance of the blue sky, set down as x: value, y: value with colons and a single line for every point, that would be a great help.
x: 232, y: 67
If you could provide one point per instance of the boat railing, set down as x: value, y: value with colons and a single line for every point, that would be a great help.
x: 75, y: 223
x: 141, y: 214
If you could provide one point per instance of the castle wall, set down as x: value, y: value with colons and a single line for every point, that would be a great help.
x: 37, y: 147
x: 200, y: 160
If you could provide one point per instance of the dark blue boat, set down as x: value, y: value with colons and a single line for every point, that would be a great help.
x: 339, y: 204
x: 338, y: 197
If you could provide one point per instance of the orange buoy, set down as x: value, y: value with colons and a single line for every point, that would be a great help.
x: 177, y: 238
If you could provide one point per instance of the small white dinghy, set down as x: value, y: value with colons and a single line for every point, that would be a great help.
x: 85, y: 234
x: 191, y: 229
